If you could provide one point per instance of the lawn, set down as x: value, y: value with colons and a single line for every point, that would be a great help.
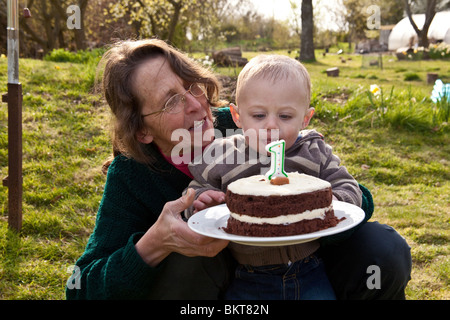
x: 396, y: 145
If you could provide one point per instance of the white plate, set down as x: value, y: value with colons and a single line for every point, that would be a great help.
x: 210, y: 222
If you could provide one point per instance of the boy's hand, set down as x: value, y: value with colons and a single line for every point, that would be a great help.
x: 208, y: 199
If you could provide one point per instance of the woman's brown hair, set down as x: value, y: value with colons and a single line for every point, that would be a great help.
x: 120, y: 63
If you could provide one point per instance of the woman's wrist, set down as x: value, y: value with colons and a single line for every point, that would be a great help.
x: 151, y: 249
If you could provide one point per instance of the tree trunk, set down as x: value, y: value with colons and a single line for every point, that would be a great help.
x: 80, y: 36
x: 174, y: 19
x: 48, y: 29
x: 307, y: 41
x: 422, y: 35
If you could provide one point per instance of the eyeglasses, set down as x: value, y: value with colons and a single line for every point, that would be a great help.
x: 177, y: 102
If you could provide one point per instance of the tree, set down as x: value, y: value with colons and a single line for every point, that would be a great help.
x: 356, y: 20
x: 392, y: 11
x: 166, y: 19
x: 48, y: 26
x: 45, y: 28
x: 356, y: 16
x: 206, y: 24
x: 303, y: 25
x: 149, y: 17
x: 430, y: 12
x: 307, y: 39
x: 79, y: 33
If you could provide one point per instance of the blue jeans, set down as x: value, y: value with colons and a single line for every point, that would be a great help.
x: 302, y: 280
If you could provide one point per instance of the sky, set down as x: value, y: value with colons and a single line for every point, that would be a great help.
x: 281, y: 9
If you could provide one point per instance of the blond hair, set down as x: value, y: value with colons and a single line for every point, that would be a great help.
x: 274, y: 68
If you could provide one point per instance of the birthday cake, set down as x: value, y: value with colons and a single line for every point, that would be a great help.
x: 300, y: 204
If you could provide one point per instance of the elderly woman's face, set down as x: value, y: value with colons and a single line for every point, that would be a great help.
x: 155, y: 83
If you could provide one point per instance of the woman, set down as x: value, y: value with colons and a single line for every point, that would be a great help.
x: 141, y: 247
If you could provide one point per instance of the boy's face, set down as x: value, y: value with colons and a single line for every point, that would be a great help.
x: 269, y: 111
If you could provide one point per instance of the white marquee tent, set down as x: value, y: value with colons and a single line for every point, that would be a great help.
x: 403, y: 31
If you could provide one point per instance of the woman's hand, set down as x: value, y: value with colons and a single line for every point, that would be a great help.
x: 171, y: 234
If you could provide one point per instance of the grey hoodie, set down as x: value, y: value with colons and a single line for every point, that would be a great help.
x: 228, y: 159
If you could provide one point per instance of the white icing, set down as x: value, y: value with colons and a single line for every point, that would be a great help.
x: 292, y: 218
x: 259, y: 185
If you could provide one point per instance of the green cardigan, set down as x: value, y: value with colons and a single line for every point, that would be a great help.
x: 134, y: 195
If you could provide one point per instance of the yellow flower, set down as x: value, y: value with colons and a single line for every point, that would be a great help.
x: 375, y: 89
x: 2, y: 56
x: 57, y: 67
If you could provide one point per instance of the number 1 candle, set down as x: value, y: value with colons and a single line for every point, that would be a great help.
x: 276, y: 171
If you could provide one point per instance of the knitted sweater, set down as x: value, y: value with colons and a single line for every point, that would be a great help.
x: 229, y: 159
x: 134, y: 195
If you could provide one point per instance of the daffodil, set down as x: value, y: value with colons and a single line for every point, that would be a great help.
x: 375, y: 89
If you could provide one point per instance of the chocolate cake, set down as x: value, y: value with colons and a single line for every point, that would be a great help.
x: 261, y: 209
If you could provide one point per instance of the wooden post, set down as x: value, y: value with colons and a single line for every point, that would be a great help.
x: 229, y: 57
x: 14, y: 100
x: 333, y: 72
x: 432, y: 77
x: 14, y: 179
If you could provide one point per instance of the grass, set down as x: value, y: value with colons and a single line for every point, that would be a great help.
x: 395, y: 147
